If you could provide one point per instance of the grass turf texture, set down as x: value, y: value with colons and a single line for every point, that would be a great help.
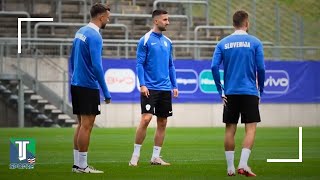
x: 195, y: 153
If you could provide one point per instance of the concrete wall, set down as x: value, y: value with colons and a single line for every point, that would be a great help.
x: 51, y: 74
x: 210, y: 115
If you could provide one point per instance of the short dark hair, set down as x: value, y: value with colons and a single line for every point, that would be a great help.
x: 239, y: 17
x: 158, y: 12
x: 97, y: 9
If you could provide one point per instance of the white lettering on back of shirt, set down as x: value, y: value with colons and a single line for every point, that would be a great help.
x: 237, y: 45
x: 81, y: 37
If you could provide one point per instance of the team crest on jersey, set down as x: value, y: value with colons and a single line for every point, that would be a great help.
x: 148, y: 107
x: 165, y: 43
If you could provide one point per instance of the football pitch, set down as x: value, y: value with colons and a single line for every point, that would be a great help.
x: 194, y: 153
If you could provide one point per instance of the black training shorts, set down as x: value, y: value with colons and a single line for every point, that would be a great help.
x: 85, y: 101
x: 158, y: 103
x: 245, y: 105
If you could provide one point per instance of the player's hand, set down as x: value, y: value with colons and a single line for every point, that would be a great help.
x: 144, y: 91
x: 175, y: 92
x: 224, y: 100
x: 107, y: 101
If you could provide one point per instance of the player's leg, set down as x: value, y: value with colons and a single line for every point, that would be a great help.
x: 158, y: 141
x: 160, y: 131
x: 142, y: 128
x: 250, y: 133
x: 87, y: 122
x: 163, y: 109
x: 230, y: 131
x: 229, y: 146
x: 159, y: 136
x: 88, y: 106
x: 75, y: 146
x: 250, y: 116
x: 231, y: 114
x: 140, y: 136
x: 147, y: 110
x: 75, y: 96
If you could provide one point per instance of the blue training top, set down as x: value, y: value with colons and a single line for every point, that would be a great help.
x: 86, y: 59
x: 242, y: 58
x: 155, y: 66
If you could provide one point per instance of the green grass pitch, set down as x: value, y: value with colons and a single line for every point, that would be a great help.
x: 195, y: 153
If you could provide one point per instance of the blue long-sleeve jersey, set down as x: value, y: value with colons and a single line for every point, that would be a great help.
x: 243, y: 60
x: 155, y: 66
x: 86, y: 59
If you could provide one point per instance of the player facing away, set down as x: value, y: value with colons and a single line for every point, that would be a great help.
x: 157, y: 77
x: 243, y: 63
x: 87, y: 76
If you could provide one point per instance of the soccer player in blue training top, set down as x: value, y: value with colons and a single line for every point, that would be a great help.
x: 86, y: 65
x: 157, y: 79
x: 242, y: 58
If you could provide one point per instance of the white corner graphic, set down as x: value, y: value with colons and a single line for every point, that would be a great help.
x: 300, y: 152
x: 19, y: 28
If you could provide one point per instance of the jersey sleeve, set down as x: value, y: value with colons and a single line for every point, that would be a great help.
x: 172, y: 70
x: 216, y: 61
x: 259, y: 56
x: 71, y: 59
x: 95, y: 48
x: 141, y: 59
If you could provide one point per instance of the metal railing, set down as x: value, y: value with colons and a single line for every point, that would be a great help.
x: 19, y: 13
x: 271, y: 52
x: 59, y: 9
x: 205, y: 3
x: 119, y: 15
x: 60, y: 24
x: 196, y: 50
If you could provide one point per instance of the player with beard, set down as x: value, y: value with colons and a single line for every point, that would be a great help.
x: 87, y: 76
x: 157, y: 78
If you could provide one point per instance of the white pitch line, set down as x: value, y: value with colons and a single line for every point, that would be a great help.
x: 292, y: 160
x: 19, y: 28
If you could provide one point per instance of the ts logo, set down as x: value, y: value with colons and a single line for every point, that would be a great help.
x: 22, y: 146
x: 22, y: 153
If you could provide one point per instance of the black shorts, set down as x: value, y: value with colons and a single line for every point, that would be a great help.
x: 158, y: 103
x: 245, y: 105
x: 85, y: 101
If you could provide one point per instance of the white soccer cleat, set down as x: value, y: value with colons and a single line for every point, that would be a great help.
x: 89, y: 169
x: 134, y: 160
x: 158, y: 161
x: 231, y: 171
x: 75, y: 169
